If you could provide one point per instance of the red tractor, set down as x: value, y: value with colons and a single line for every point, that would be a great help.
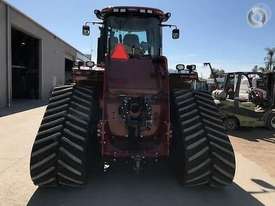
x: 128, y: 108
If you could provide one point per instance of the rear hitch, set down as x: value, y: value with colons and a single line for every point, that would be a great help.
x: 138, y: 163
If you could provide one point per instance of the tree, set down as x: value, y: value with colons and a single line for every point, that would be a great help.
x: 218, y: 73
x: 257, y: 68
x: 262, y: 69
x: 270, y: 63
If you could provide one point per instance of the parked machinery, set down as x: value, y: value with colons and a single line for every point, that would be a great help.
x: 129, y: 109
x: 247, y: 99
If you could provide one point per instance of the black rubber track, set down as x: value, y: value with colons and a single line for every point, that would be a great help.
x: 59, y: 154
x: 203, y: 152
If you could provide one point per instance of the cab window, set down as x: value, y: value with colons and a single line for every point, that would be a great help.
x: 140, y: 36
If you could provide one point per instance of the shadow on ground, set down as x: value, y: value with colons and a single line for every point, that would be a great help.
x: 21, y: 106
x: 265, y: 187
x: 154, y: 187
x: 254, y: 134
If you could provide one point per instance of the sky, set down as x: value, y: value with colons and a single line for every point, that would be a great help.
x: 213, y: 31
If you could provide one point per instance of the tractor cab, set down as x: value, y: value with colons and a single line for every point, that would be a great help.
x: 130, y: 49
x: 130, y: 32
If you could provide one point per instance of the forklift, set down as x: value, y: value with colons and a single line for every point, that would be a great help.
x: 247, y: 99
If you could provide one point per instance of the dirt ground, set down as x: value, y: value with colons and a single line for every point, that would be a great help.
x: 258, y: 145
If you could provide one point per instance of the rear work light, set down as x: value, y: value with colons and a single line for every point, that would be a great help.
x: 142, y: 11
x: 135, y: 10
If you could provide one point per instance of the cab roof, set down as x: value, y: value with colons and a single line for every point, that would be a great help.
x: 132, y: 10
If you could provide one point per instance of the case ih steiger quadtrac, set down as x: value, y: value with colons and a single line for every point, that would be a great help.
x: 129, y: 109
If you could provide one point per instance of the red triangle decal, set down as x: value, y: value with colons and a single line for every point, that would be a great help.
x: 120, y: 52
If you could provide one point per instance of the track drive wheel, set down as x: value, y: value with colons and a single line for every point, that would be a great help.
x: 271, y: 121
x: 202, y: 150
x: 66, y: 134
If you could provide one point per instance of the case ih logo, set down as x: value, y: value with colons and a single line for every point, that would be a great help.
x: 258, y: 15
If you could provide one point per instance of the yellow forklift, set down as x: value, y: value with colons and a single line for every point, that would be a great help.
x: 247, y: 99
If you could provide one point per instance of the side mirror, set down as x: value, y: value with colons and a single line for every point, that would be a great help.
x: 176, y: 34
x: 86, y: 30
x: 90, y: 64
x: 180, y: 67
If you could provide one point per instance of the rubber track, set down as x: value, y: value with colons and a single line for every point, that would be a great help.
x: 204, y: 154
x: 59, y: 154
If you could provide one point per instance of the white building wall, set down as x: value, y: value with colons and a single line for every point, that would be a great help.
x: 3, y: 62
x: 53, y: 52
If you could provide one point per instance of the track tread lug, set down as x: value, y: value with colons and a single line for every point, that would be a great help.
x: 60, y: 151
x: 206, y: 155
